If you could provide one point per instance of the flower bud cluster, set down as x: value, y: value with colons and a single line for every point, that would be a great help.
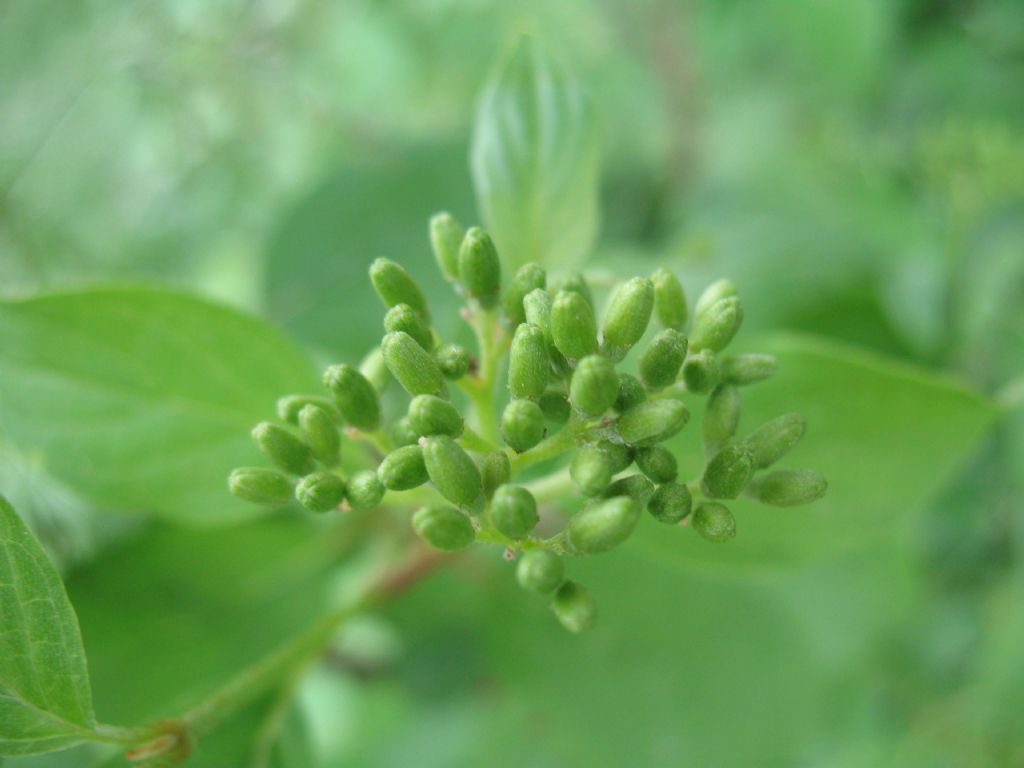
x: 548, y: 408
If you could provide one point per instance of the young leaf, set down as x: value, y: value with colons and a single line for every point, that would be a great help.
x: 142, y: 398
x: 534, y: 161
x: 45, y: 699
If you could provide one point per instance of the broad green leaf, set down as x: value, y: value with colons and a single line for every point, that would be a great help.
x: 534, y: 161
x: 141, y: 398
x: 45, y: 701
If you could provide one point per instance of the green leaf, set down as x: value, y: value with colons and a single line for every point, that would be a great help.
x: 142, y: 398
x: 45, y: 700
x: 885, y: 434
x: 534, y: 161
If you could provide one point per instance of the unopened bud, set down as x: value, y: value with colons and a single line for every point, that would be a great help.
x: 395, y: 286
x: 321, y: 433
x: 574, y: 607
x: 658, y: 463
x: 620, y: 455
x: 540, y: 571
x: 669, y: 299
x: 670, y: 503
x: 522, y: 424
x: 721, y: 417
x: 514, y: 511
x: 495, y: 470
x: 415, y: 369
x: 774, y: 439
x: 529, y: 277
x: 653, y: 421
x: 660, y: 362
x: 573, y: 328
x: 747, y: 369
x: 288, y: 407
x: 402, y: 317
x: 555, y: 406
x: 453, y: 360
x: 627, y: 316
x: 788, y: 487
x: 479, y: 268
x: 430, y: 415
x: 700, y: 372
x: 445, y: 239
x: 636, y: 487
x: 403, y: 469
x: 714, y: 522
x: 594, y: 385
x: 443, y: 527
x: 728, y: 473
x: 718, y: 290
x: 259, y: 485
x: 631, y: 392
x: 320, y: 491
x: 375, y: 370
x: 591, y: 470
x: 403, y: 433
x: 451, y: 470
x: 716, y: 327
x: 577, y: 283
x: 283, y: 448
x: 528, y: 365
x: 603, y: 525
x: 364, y: 490
x: 354, y: 395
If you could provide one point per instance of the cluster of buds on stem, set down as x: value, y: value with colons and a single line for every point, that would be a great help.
x: 573, y: 426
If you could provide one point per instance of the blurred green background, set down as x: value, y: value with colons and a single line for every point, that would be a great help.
x: 856, y: 166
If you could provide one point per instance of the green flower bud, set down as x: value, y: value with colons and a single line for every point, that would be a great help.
x: 443, y: 527
x: 395, y: 286
x: 715, y: 328
x: 403, y: 433
x: 573, y: 328
x: 603, y: 525
x: 259, y: 485
x: 514, y: 511
x: 721, y: 289
x: 288, y: 407
x: 537, y: 307
x: 364, y: 490
x: 283, y: 448
x: 453, y: 360
x: 774, y: 439
x: 721, y: 418
x: 522, y: 425
x: 627, y: 316
x: 700, y: 372
x: 555, y: 407
x: 788, y: 487
x: 320, y: 491
x: 660, y: 362
x: 403, y: 469
x: 451, y: 470
x: 321, y: 433
x: 495, y: 470
x: 658, y: 463
x: 631, y: 392
x: 670, y: 503
x: 747, y: 369
x: 591, y: 470
x: 669, y: 299
x: 445, y: 239
x: 577, y: 283
x: 728, y: 473
x: 528, y: 365
x: 653, y: 421
x: 530, y: 277
x: 430, y: 415
x: 479, y: 268
x: 574, y: 607
x: 619, y: 455
x: 594, y: 385
x: 540, y: 571
x: 415, y: 369
x: 402, y: 317
x: 636, y: 487
x: 375, y: 370
x: 354, y: 395
x: 714, y: 522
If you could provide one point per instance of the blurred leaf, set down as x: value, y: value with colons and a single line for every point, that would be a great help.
x: 45, y: 701
x: 141, y: 398
x: 535, y: 161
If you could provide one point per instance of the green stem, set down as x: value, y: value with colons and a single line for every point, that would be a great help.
x: 553, y: 486
x: 480, y: 388
x: 476, y: 442
x: 558, y: 443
